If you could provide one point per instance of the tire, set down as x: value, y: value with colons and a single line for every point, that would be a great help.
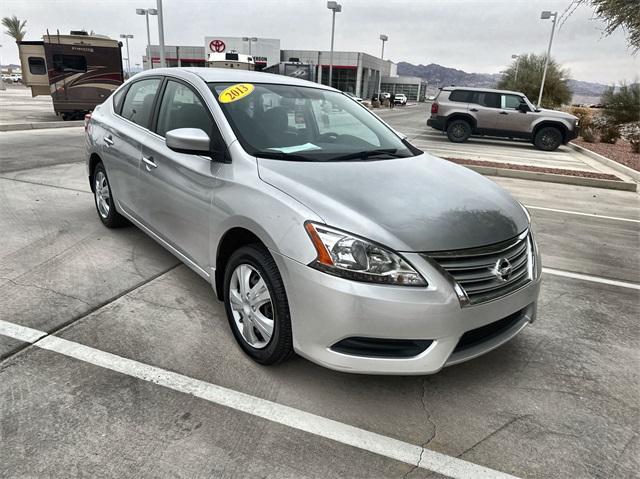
x: 104, y: 200
x: 268, y: 307
x: 548, y: 138
x: 458, y: 131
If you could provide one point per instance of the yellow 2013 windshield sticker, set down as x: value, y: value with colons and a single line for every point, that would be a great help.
x: 235, y: 92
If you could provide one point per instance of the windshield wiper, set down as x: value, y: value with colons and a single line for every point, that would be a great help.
x: 279, y: 155
x: 366, y: 154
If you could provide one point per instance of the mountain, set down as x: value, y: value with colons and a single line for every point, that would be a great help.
x: 439, y: 75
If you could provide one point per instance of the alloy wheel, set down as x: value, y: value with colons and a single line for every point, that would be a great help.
x: 103, y: 195
x: 251, y: 306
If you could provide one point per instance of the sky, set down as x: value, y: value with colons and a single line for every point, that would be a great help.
x: 471, y: 35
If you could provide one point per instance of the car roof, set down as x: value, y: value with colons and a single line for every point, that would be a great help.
x: 490, y: 90
x: 225, y: 75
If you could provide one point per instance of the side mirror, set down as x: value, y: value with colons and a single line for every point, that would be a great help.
x: 192, y: 141
x: 524, y: 108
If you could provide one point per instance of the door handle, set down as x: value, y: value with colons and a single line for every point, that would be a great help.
x: 148, y: 162
x: 108, y: 140
x: 504, y: 113
x: 473, y: 109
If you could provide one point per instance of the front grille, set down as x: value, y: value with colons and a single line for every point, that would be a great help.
x: 474, y: 272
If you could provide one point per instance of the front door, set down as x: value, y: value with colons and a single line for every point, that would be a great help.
x: 176, y: 188
x: 511, y: 119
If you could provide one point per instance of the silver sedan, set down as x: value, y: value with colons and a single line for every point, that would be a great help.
x: 323, y: 230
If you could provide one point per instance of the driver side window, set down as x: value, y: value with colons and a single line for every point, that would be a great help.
x: 511, y: 102
x: 181, y: 108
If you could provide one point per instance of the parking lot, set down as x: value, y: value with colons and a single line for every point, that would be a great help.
x: 118, y: 361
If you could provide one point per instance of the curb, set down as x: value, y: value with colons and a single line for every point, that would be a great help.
x: 40, y: 125
x: 553, y: 178
x: 614, y: 165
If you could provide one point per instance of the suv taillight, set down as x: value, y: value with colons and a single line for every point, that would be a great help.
x: 434, y: 108
x: 87, y: 118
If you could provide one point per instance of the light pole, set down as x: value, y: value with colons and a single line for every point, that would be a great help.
x: 336, y: 8
x: 250, y: 40
x: 163, y: 62
x: 384, y: 38
x: 515, y: 80
x: 545, y: 16
x: 126, y: 39
x: 146, y: 12
x: 2, y: 85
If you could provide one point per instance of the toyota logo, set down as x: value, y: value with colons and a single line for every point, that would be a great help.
x: 503, y: 269
x: 217, y: 46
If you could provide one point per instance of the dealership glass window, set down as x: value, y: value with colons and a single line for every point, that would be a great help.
x: 138, y: 102
x: 37, y: 66
x: 70, y: 63
x: 344, y: 79
x: 181, y: 108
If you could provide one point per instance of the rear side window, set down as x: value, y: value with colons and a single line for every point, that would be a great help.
x: 182, y: 108
x: 138, y: 102
x: 491, y: 100
x: 70, y: 63
x: 37, y: 66
x: 117, y: 99
x: 463, y: 96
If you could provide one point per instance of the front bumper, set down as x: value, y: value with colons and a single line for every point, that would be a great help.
x: 572, y: 134
x: 326, y: 309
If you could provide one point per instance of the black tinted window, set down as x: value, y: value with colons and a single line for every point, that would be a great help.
x: 491, y: 100
x: 37, y: 66
x: 181, y: 108
x: 69, y: 63
x: 461, y: 95
x: 138, y: 103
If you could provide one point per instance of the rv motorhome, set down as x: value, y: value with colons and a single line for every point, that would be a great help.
x: 78, y: 71
x: 231, y: 59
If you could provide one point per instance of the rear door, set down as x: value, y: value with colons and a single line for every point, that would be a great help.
x: 511, y: 119
x: 176, y: 188
x: 122, y: 137
x: 485, y: 107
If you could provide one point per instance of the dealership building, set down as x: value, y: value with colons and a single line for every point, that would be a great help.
x: 354, y: 72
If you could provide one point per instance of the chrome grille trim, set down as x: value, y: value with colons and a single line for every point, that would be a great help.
x: 472, y: 272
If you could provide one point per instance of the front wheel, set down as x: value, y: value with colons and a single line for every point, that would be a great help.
x: 458, y: 131
x: 105, y: 203
x: 256, y: 305
x: 548, y: 139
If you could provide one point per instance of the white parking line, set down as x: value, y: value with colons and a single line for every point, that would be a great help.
x: 590, y: 278
x: 593, y: 215
x: 343, y: 433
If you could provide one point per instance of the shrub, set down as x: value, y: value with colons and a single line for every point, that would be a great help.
x: 609, y: 131
x: 622, y: 106
x: 631, y: 133
x: 583, y: 114
x: 589, y: 134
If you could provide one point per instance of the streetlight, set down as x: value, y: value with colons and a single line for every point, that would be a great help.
x: 336, y: 8
x: 384, y: 38
x: 545, y: 16
x: 126, y: 39
x: 517, y: 59
x: 146, y: 12
x: 250, y: 40
x: 163, y: 62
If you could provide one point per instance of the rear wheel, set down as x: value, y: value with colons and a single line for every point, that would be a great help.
x: 104, y: 200
x: 256, y: 304
x: 458, y: 131
x: 548, y: 139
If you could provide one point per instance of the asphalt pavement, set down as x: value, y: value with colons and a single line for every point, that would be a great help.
x: 129, y: 368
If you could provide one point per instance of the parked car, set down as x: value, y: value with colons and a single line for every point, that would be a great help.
x: 297, y: 229
x: 351, y: 95
x: 385, y: 95
x: 400, y: 99
x: 16, y: 77
x: 463, y: 112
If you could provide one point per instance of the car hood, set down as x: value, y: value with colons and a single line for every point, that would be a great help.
x: 556, y: 114
x: 421, y: 203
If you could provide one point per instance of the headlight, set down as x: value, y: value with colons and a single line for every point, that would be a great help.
x: 351, y: 257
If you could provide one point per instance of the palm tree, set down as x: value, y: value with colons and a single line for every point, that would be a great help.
x: 15, y: 28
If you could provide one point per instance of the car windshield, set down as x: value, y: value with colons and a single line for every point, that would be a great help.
x: 296, y: 123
